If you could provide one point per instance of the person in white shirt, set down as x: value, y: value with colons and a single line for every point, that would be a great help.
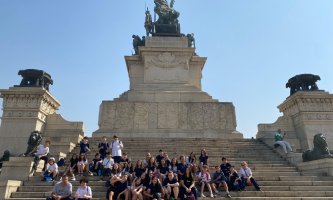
x: 84, y: 191
x: 41, y: 154
x: 205, y: 178
x: 82, y: 164
x: 52, y: 169
x: 116, y: 147
x: 107, y: 164
x: 246, y: 176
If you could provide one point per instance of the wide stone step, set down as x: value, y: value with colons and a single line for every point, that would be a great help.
x: 276, y: 198
x: 296, y: 183
x: 283, y: 194
x: 308, y: 193
x: 237, y: 198
x: 101, y: 188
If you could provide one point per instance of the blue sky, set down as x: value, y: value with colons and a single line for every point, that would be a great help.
x: 253, y: 48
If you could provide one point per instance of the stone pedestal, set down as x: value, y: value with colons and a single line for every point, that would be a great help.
x: 322, y: 167
x: 7, y: 187
x: 24, y: 110
x: 165, y: 97
x: 170, y: 120
x: 305, y: 114
x: 17, y: 168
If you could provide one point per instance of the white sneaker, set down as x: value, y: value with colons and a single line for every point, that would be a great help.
x: 73, y: 179
x: 203, y: 196
x: 211, y: 196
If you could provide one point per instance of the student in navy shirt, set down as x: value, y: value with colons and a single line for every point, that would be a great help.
x: 225, y: 167
x: 155, y: 189
x: 163, y: 169
x: 219, y: 180
x: 160, y: 156
x: 96, y: 166
x: 171, y: 185
x: 84, y: 146
x: 103, y: 147
x: 235, y: 183
x: 203, y: 157
x: 181, y: 167
x: 187, y: 185
x: 139, y: 169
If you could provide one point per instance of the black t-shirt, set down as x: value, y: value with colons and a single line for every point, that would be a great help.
x: 203, y: 159
x: 159, y: 158
x: 139, y: 171
x: 163, y: 170
x: 73, y: 161
x: 167, y: 180
x: 124, y: 160
x: 103, y: 150
x: 155, y: 188
x: 151, y: 167
x: 181, y: 167
x: 225, y: 168
x: 187, y: 181
x: 233, y: 177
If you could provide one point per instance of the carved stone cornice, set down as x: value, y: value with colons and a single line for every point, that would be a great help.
x: 28, y: 102
x: 314, y: 101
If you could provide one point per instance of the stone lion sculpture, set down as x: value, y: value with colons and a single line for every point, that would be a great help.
x: 320, y: 149
x: 35, y: 139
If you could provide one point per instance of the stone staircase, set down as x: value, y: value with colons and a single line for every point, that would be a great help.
x: 278, y: 179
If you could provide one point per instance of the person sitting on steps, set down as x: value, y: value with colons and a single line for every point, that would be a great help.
x: 247, y: 178
x: 42, y: 154
x: 219, y: 180
x: 204, y: 177
x: 279, y: 141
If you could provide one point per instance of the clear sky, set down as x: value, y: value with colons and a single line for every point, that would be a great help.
x: 253, y: 48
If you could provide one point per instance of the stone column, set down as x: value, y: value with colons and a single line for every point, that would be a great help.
x: 24, y: 110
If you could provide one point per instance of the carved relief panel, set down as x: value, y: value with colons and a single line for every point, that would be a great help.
x: 124, y: 115
x: 167, y: 115
x: 141, y: 116
x: 166, y: 67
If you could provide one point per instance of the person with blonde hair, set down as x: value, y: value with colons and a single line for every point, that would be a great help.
x: 246, y: 177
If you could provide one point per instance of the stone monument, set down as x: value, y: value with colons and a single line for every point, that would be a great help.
x: 31, y: 107
x: 306, y: 112
x: 165, y: 98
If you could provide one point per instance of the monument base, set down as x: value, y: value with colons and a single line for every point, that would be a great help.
x: 322, y: 167
x: 168, y: 120
x: 305, y: 114
x: 7, y: 187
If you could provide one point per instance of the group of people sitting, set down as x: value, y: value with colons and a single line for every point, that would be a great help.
x: 155, y: 177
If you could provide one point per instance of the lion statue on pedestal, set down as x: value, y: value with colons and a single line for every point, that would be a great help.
x: 319, y: 151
